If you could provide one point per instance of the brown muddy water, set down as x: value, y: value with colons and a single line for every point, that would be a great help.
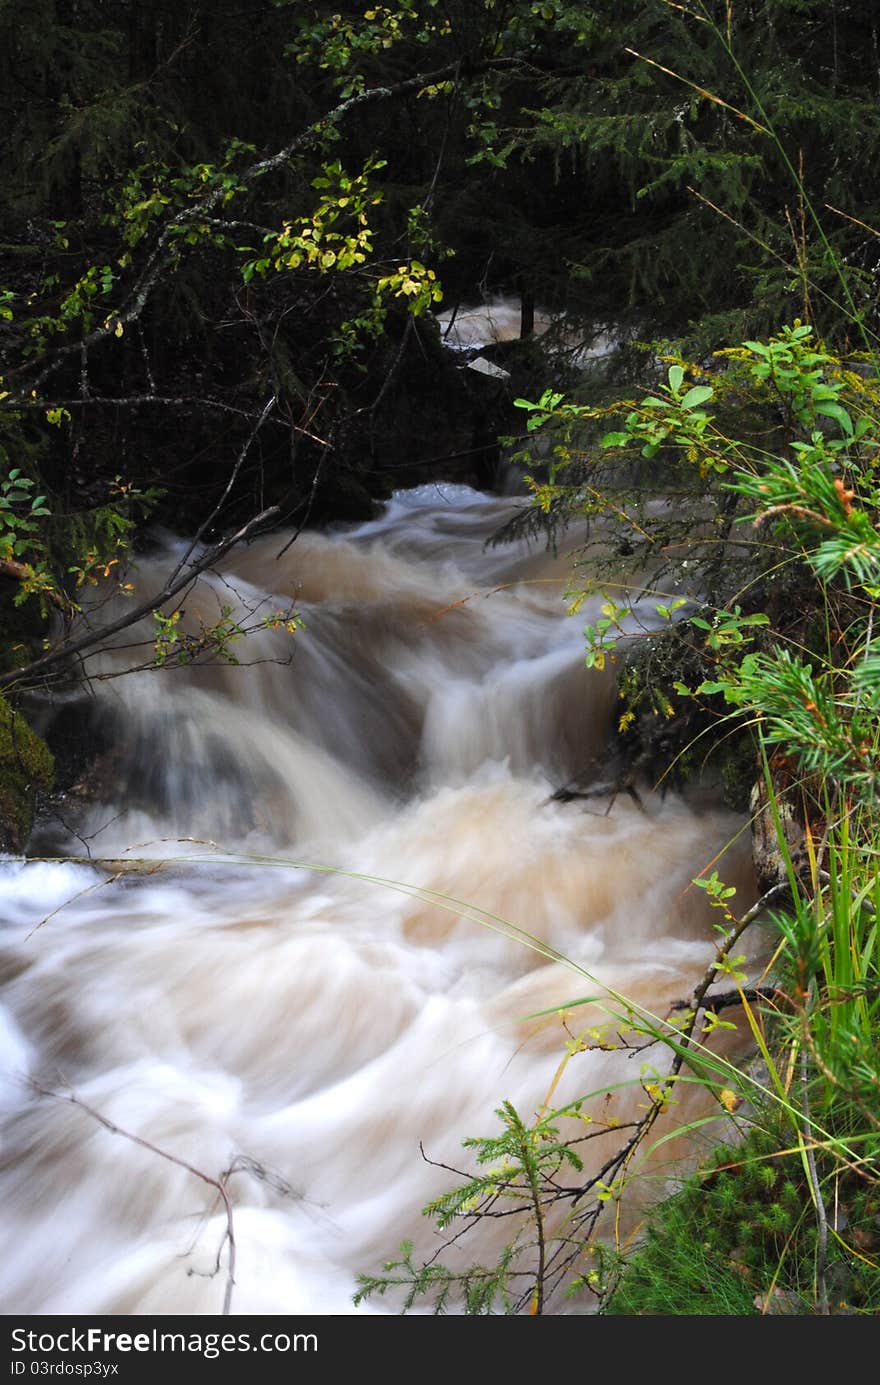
x: 208, y: 993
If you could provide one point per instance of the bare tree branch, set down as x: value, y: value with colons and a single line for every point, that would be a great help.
x: 218, y: 1183
x: 92, y: 638
x: 233, y: 475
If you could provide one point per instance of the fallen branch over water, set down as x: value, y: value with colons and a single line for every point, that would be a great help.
x: 179, y: 581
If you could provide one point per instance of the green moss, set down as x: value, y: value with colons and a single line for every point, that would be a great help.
x: 743, y: 1228
x: 26, y: 769
x: 740, y: 767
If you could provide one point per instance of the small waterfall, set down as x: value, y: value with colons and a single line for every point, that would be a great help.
x: 319, y: 927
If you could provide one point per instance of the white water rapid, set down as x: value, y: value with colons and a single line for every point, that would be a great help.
x: 196, y: 987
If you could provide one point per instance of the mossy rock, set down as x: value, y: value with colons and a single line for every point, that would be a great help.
x: 26, y: 769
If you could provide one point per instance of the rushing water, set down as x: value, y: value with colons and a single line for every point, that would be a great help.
x: 319, y: 1026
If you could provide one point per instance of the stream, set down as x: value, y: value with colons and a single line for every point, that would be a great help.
x: 306, y: 926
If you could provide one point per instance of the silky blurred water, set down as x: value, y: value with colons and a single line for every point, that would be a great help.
x: 200, y: 984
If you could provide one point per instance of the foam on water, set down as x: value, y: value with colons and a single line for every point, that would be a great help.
x: 322, y: 919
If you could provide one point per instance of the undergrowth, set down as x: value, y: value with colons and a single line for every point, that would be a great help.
x: 739, y: 1239
x: 771, y: 590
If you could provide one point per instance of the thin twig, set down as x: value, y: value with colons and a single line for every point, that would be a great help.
x: 98, y: 636
x: 233, y: 476
x: 80, y: 894
x: 218, y: 1183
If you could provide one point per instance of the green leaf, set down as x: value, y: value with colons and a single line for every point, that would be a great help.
x: 863, y: 426
x: 614, y: 439
x: 697, y: 395
x: 839, y: 413
x: 675, y: 377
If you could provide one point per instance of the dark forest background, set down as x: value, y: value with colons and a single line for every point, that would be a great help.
x: 167, y: 167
